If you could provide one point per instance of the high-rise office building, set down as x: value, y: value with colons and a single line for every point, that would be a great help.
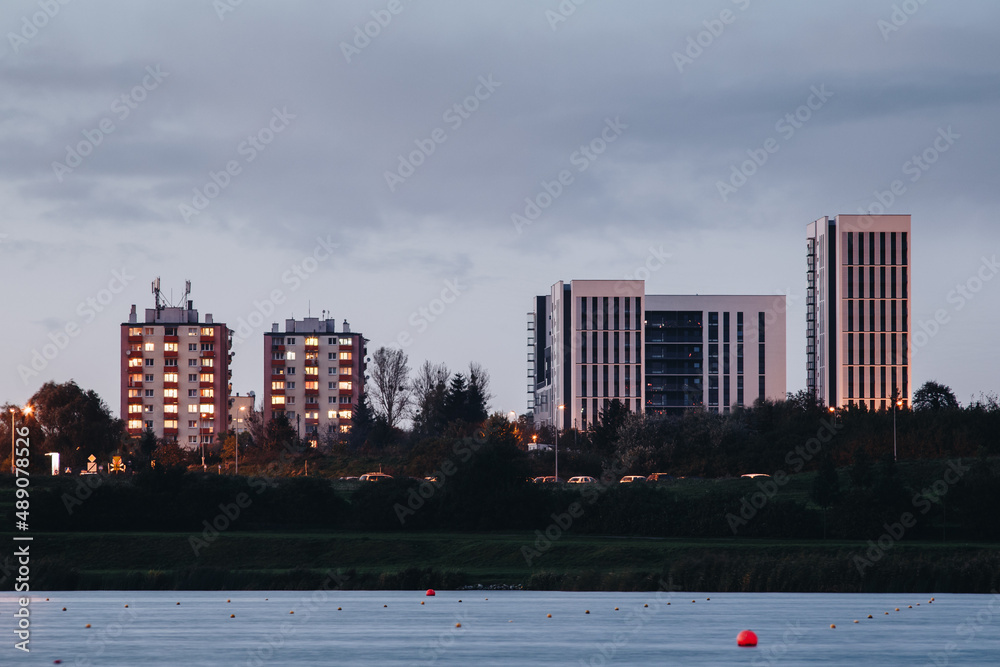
x: 175, y: 373
x: 857, y: 310
x: 315, y: 375
x: 593, y: 341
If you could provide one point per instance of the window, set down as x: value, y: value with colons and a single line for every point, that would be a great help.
x: 192, y: 347
x: 208, y: 363
x: 170, y: 408
x: 331, y: 414
x: 170, y: 377
x: 208, y: 347
x: 291, y: 399
x: 135, y: 423
x: 192, y: 423
x: 312, y: 384
x: 291, y: 341
x: 207, y: 377
x: 148, y: 377
x: 332, y: 370
x: 277, y: 385
x: 312, y: 356
x: 345, y: 341
x: 192, y: 362
x: 170, y: 362
x: 345, y: 386
x: 135, y: 331
x: 135, y: 407
x: 207, y: 408
x: 134, y: 393
x: 312, y: 340
x: 312, y: 370
x: 170, y: 347
x: 290, y: 355
x: 344, y: 414
x: 169, y: 423
x: 331, y: 341
x: 278, y: 356
x: 208, y: 392
x: 291, y: 370
x: 149, y: 347
x: 132, y: 363
x: 170, y: 393
x: 192, y: 393
x: 331, y: 355
x: 192, y: 377
x: 207, y: 331
x: 290, y: 385
x: 149, y: 424
x: 192, y: 331
x: 345, y: 399
x: 331, y: 385
x: 149, y: 331
x: 345, y: 356
x: 193, y: 408
x: 150, y: 362
x: 193, y: 439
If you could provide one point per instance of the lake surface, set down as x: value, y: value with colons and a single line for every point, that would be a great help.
x: 502, y: 628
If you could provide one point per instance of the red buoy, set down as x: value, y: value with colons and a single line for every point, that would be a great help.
x: 430, y: 592
x: 746, y: 638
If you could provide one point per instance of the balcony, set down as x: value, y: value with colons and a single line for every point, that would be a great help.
x: 206, y: 385
x: 135, y: 339
x: 134, y: 354
x: 171, y: 339
x: 207, y: 339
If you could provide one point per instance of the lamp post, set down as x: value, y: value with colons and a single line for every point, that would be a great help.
x: 898, y: 403
x: 201, y: 441
x: 25, y: 411
x: 558, y: 416
x: 242, y: 408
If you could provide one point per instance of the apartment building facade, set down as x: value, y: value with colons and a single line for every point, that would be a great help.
x: 858, y: 341
x: 593, y: 341
x: 315, y: 375
x: 175, y: 376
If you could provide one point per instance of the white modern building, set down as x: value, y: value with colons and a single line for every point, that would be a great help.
x: 857, y: 310
x: 593, y: 341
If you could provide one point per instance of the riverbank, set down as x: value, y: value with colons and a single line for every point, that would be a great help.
x: 394, y: 561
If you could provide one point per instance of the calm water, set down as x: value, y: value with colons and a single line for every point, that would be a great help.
x: 508, y: 628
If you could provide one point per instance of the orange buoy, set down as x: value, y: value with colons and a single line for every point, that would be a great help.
x: 855, y: 620
x: 746, y: 638
x: 421, y: 602
x: 430, y: 592
x: 645, y: 605
x: 232, y: 616
x: 88, y: 625
x: 832, y: 626
x: 291, y: 612
x: 616, y: 608
x: 909, y: 606
x: 548, y: 616
x: 587, y: 612
x: 339, y: 609
x: 897, y: 608
x: 458, y: 625
x: 64, y: 608
x: 869, y: 615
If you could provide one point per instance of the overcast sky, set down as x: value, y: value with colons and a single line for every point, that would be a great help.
x: 114, y: 116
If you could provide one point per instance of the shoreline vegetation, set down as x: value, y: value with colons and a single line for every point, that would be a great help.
x: 400, y: 561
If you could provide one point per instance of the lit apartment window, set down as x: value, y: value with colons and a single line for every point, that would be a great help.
x: 135, y: 347
x: 331, y: 414
x: 135, y: 423
x: 193, y: 408
x: 134, y: 393
x: 192, y: 423
x: 132, y: 363
x: 170, y: 408
x: 344, y: 414
x: 277, y: 400
x: 170, y: 347
x: 345, y: 428
x: 169, y: 423
x: 345, y: 370
x: 312, y: 340
x: 135, y: 407
x: 290, y: 355
x: 135, y: 331
x: 170, y: 377
x: 149, y: 423
x: 345, y: 341
x: 208, y: 363
x: 192, y: 331
x: 207, y: 377
x: 312, y: 356
x: 149, y: 347
x: 312, y: 414
x: 346, y: 386
x: 208, y: 393
x: 312, y: 385
x: 312, y: 370
x: 345, y: 356
x: 208, y: 408
x: 277, y: 384
x: 207, y: 331
x: 170, y: 393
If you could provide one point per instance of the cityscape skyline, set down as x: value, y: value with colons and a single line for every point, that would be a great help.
x: 424, y: 176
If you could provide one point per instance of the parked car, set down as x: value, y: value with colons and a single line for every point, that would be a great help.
x: 347, y: 479
x: 628, y: 479
x: 660, y: 477
x: 547, y: 479
x: 374, y: 477
x: 581, y: 479
x: 754, y: 475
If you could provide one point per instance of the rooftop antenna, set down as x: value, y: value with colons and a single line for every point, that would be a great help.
x: 157, y: 296
x: 187, y: 291
x: 309, y: 304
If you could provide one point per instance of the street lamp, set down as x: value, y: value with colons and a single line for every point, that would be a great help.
x: 561, y: 407
x: 25, y: 411
x: 897, y: 404
x: 242, y: 408
x: 201, y: 441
